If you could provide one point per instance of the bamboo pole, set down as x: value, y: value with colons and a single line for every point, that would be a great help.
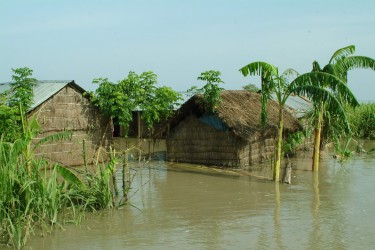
x: 84, y: 155
x: 276, y: 170
x: 316, y: 152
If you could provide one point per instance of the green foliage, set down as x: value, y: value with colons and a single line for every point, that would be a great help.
x: 19, y: 95
x: 335, y: 122
x: 211, y: 90
x: 319, y: 88
x: 21, y: 91
x: 10, y: 122
x: 135, y: 91
x: 32, y: 195
x: 271, y: 83
x: 362, y: 120
x: 293, y: 140
x: 251, y: 88
x: 113, y: 100
x: 160, y: 106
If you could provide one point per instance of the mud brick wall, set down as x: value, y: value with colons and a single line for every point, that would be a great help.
x: 69, y: 110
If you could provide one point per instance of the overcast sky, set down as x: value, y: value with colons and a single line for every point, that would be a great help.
x: 82, y: 40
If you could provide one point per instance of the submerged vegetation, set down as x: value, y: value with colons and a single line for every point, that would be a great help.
x: 35, y: 195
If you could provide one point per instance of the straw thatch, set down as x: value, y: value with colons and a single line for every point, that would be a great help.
x: 243, y: 143
x: 68, y: 109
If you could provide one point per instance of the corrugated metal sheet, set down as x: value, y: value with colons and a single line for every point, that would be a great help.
x: 298, y: 105
x: 45, y: 89
x: 4, y: 87
x: 42, y: 91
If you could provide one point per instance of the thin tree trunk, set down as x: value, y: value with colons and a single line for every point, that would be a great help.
x: 112, y: 155
x: 276, y: 170
x: 125, y: 166
x: 316, y: 152
x: 139, y: 136
x: 125, y: 170
x: 149, y: 149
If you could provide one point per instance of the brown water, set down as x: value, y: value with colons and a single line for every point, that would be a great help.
x: 174, y: 207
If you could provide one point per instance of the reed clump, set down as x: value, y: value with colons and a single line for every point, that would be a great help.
x: 35, y: 196
x: 362, y: 120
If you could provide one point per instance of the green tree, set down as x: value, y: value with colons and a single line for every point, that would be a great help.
x: 159, y: 108
x: 135, y: 91
x: 22, y: 89
x: 19, y: 97
x: 289, y: 82
x: 251, y: 88
x: 211, y: 90
x: 272, y: 83
x: 113, y: 100
x: 340, y: 63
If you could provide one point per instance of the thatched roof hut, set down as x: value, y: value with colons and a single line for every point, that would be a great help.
x: 233, y: 136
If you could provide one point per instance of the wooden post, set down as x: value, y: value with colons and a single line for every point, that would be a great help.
x: 288, y: 173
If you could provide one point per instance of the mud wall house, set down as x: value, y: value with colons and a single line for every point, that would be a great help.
x: 60, y: 106
x: 231, y: 137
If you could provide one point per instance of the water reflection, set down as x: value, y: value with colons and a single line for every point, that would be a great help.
x: 277, y: 223
x: 315, y: 205
x: 177, y: 208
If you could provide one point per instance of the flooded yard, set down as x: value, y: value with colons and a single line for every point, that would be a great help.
x: 175, y: 206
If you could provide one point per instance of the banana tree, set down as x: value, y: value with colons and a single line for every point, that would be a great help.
x: 322, y: 88
x: 340, y: 63
x: 283, y: 86
x: 272, y: 83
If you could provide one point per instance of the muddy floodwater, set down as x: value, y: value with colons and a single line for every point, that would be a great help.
x: 172, y: 206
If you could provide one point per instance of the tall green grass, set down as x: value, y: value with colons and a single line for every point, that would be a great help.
x: 362, y: 120
x: 37, y: 196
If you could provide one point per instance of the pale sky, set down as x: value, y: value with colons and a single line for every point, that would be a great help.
x: 82, y: 40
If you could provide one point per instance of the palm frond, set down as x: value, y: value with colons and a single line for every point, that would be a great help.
x: 69, y: 176
x: 55, y: 137
x: 354, y: 62
x: 329, y: 68
x: 18, y: 147
x: 316, y: 67
x: 265, y: 96
x: 262, y: 69
x: 342, y: 53
x: 290, y: 73
x: 314, y: 92
x: 325, y: 80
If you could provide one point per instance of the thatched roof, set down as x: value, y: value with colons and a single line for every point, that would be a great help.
x: 240, y: 110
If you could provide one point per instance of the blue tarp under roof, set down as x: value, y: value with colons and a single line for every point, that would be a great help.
x: 213, y: 121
